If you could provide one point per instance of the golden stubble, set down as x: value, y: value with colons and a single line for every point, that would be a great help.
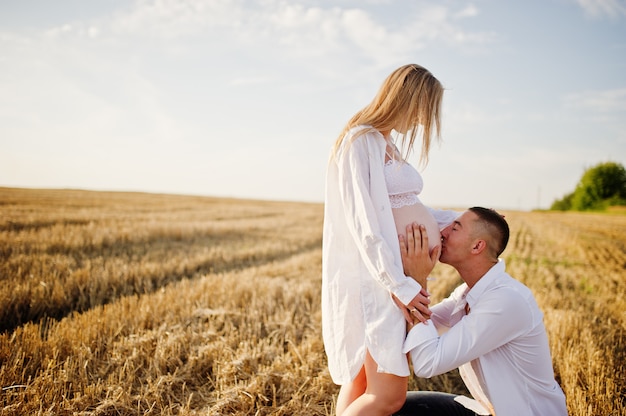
x: 130, y: 303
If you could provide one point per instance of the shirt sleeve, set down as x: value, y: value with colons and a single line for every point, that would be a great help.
x: 498, y: 318
x: 353, y: 162
x: 444, y: 217
x: 442, y: 313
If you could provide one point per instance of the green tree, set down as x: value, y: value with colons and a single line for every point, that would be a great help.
x: 564, y: 204
x: 601, y: 186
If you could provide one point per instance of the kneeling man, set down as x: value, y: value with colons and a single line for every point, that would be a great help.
x: 490, y: 327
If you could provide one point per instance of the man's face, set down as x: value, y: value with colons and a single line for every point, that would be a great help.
x: 457, y: 240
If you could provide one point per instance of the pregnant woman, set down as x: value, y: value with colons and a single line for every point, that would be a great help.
x: 371, y: 195
x: 404, y: 184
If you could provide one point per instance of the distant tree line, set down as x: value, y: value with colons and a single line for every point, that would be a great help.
x: 600, y: 187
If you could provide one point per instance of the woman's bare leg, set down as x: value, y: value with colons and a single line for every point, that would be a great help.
x: 350, y: 392
x: 385, y: 393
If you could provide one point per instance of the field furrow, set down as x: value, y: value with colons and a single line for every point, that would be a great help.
x: 141, y: 304
x: 59, y: 266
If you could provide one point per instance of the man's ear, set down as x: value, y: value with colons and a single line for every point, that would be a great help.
x: 479, y: 246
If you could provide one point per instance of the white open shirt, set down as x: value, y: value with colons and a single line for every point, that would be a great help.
x: 361, y: 263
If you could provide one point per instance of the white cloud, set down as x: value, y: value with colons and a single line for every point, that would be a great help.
x: 59, y: 30
x: 247, y: 81
x: 299, y: 30
x: 93, y: 32
x: 176, y: 18
x: 469, y: 11
x: 598, y: 102
x: 180, y: 92
x: 600, y: 8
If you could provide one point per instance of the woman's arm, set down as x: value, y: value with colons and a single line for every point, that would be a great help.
x: 417, y: 261
x: 353, y: 164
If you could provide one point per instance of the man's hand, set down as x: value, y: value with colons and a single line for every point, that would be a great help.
x: 417, y: 261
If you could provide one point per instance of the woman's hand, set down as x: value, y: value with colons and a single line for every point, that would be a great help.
x: 417, y: 310
x: 417, y: 260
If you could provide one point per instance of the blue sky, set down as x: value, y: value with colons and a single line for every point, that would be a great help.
x: 245, y: 98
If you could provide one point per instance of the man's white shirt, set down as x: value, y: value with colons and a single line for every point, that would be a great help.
x: 501, y: 346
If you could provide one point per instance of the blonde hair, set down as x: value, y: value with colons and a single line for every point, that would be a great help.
x: 410, y: 96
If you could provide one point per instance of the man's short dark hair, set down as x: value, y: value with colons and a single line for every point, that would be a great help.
x: 496, y: 226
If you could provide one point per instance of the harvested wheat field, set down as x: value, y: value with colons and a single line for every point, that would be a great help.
x: 145, y: 304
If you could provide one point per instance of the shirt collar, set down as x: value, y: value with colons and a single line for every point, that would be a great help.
x: 484, y: 282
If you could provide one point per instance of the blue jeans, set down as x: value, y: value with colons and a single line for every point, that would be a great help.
x: 432, y: 403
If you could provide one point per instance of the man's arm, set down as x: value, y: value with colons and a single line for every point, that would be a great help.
x: 498, y: 318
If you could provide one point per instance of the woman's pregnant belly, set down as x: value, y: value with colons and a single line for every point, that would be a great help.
x: 418, y: 213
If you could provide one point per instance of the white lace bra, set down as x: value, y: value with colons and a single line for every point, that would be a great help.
x: 404, y: 183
